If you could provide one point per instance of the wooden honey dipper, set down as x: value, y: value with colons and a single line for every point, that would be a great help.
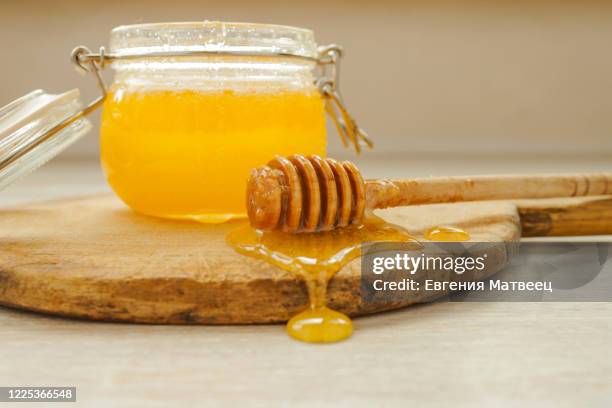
x: 307, y: 194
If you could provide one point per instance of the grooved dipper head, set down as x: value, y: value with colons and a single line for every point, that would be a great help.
x: 305, y: 194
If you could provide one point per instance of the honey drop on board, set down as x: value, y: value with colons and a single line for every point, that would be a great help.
x: 446, y: 234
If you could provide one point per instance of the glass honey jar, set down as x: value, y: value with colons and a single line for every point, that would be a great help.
x: 194, y: 106
x: 180, y: 134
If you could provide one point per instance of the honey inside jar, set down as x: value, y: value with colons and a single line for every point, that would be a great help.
x: 194, y: 106
x: 187, y: 154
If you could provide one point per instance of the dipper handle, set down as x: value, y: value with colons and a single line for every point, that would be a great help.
x: 393, y: 193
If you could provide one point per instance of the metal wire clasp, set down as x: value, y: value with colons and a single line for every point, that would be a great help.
x: 329, y: 86
x: 81, y: 57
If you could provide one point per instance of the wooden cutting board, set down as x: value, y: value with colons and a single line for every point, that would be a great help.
x: 93, y: 258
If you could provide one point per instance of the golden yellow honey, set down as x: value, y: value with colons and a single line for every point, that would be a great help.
x: 447, y: 234
x: 316, y: 258
x: 320, y: 325
x: 186, y: 154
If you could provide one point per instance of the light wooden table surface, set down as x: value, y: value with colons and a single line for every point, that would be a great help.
x: 440, y: 354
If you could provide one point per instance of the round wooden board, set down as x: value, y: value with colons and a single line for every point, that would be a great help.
x: 93, y: 258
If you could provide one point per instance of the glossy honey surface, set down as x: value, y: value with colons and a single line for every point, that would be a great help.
x: 447, y: 234
x: 320, y: 325
x: 187, y: 154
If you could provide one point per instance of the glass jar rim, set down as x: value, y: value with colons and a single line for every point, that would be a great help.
x: 212, y: 36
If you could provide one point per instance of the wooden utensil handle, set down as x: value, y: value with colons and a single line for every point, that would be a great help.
x: 382, y: 193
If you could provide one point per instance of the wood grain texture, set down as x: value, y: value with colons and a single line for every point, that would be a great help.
x: 93, y: 258
x: 392, y: 193
x: 565, y: 217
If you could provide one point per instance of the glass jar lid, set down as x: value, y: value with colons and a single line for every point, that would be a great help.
x: 35, y: 128
x: 213, y: 37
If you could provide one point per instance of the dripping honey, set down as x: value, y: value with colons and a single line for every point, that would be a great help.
x: 186, y: 154
x: 315, y: 258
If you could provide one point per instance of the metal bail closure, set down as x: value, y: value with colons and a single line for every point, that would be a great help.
x: 328, y: 84
x: 37, y: 127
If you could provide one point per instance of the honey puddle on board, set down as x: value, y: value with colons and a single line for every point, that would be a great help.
x: 315, y: 258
